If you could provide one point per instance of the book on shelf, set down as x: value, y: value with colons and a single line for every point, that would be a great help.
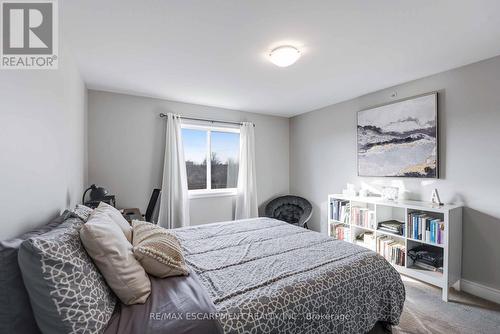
x: 339, y: 210
x: 342, y: 232
x: 426, y: 228
x: 392, y: 250
x: 392, y: 226
x: 363, y: 217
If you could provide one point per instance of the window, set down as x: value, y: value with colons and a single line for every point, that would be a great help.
x: 219, y: 146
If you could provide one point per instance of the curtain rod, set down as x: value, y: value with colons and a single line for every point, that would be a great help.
x: 207, y: 120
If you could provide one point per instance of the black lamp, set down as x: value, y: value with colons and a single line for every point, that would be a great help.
x: 96, y: 194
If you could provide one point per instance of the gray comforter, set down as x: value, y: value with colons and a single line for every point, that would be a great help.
x: 266, y: 276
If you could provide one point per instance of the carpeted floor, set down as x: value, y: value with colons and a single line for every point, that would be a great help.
x: 425, y: 312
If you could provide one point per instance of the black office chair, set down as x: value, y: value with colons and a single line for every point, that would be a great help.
x: 294, y: 210
x: 153, y: 207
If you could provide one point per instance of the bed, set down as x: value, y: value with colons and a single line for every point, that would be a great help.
x: 265, y: 276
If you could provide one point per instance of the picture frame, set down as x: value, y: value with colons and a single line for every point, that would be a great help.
x: 400, y: 138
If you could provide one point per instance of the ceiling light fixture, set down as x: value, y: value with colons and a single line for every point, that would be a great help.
x: 284, y: 56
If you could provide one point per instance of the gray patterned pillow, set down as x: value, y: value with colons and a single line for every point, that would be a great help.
x: 16, y: 315
x: 67, y: 292
x: 83, y: 212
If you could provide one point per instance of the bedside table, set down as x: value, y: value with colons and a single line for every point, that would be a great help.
x: 132, y: 214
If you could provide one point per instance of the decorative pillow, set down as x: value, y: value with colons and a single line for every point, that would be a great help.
x: 83, y: 212
x: 115, y: 216
x: 112, y: 253
x: 16, y: 315
x: 157, y: 250
x: 67, y: 292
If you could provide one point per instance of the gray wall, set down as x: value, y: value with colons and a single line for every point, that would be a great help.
x: 126, y: 144
x: 323, y: 157
x: 42, y: 144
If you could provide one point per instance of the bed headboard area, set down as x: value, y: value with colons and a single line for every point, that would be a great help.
x: 16, y: 314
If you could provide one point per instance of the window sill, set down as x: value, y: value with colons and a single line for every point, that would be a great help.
x: 194, y: 194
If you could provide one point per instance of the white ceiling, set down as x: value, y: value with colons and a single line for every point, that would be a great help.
x: 213, y: 52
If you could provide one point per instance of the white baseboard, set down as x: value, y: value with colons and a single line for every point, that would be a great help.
x: 480, y: 290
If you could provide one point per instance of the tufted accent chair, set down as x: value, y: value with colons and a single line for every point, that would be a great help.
x: 291, y: 209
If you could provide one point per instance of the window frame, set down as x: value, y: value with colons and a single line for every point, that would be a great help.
x: 209, y: 192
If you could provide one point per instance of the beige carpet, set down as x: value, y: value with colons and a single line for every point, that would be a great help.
x: 425, y: 312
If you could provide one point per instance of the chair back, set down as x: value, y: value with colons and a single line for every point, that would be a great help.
x: 152, y: 209
x: 291, y: 209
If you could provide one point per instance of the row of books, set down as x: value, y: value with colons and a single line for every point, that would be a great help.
x: 426, y: 228
x: 363, y: 217
x: 391, y: 250
x: 339, y: 210
x: 343, y: 232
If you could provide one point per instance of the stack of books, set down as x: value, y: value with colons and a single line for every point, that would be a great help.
x: 343, y: 232
x: 392, y: 226
x: 427, y: 258
x: 426, y: 228
x: 339, y: 210
x: 425, y: 266
x: 391, y: 250
x: 363, y: 217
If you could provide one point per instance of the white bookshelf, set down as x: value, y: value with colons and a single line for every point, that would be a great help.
x: 384, y: 210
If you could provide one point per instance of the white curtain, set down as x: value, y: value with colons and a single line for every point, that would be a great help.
x: 246, y: 200
x: 174, y: 204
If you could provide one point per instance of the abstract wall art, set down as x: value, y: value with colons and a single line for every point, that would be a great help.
x: 399, y: 139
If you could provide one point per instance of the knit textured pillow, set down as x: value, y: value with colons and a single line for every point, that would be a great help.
x: 158, y: 251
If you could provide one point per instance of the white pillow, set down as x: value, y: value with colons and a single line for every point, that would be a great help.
x: 115, y: 216
x: 112, y: 254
